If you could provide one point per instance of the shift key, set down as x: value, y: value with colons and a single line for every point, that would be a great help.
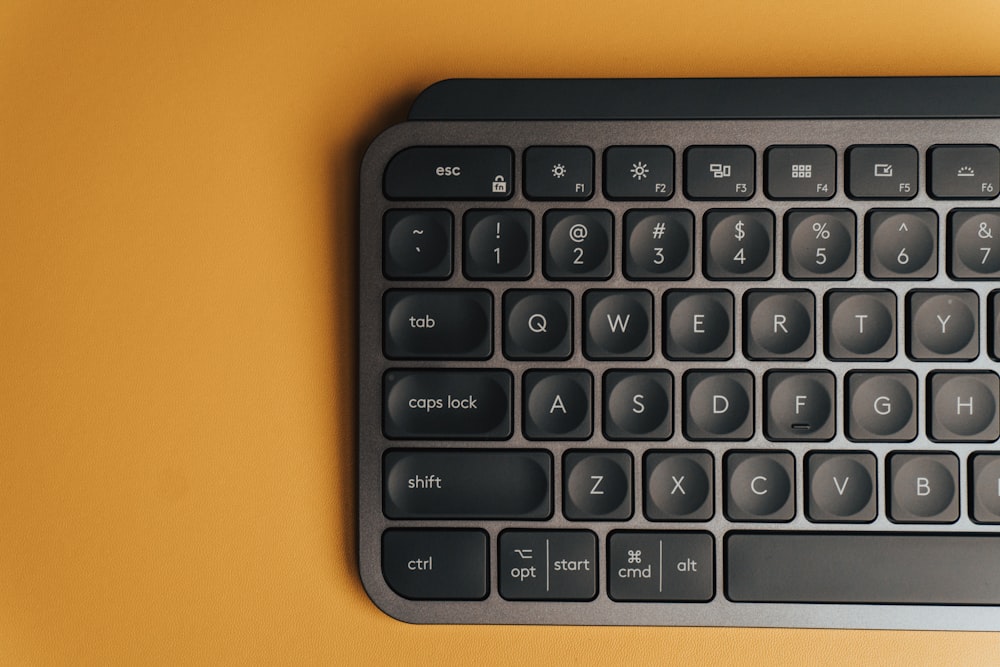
x: 467, y: 484
x: 450, y: 405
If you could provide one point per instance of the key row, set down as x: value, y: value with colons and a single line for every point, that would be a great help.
x: 658, y: 244
x: 712, y: 405
x: 698, y: 325
x: 679, y: 566
x: 709, y: 172
x: 679, y: 485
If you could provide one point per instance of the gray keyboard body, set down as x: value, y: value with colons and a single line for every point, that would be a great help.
x: 614, y: 369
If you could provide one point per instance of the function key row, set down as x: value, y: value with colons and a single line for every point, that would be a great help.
x: 709, y: 172
x: 658, y: 244
x: 698, y: 325
x: 713, y: 405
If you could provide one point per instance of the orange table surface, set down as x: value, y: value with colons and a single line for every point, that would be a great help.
x: 177, y: 290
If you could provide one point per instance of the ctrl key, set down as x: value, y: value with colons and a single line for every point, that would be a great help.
x: 436, y: 564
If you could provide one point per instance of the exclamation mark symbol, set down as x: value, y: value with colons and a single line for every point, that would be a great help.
x: 496, y: 251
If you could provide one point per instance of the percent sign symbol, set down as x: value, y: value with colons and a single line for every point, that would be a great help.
x: 821, y: 230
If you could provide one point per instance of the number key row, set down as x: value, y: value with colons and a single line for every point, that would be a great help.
x: 658, y: 244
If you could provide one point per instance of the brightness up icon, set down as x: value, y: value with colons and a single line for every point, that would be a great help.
x: 640, y: 170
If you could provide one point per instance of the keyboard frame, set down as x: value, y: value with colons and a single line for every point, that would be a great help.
x: 759, y: 133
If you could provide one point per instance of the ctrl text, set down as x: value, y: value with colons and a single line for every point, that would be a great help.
x: 420, y: 564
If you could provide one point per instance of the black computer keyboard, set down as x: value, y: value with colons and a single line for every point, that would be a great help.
x: 683, y: 352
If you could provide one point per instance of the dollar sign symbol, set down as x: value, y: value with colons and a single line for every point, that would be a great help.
x: 740, y: 234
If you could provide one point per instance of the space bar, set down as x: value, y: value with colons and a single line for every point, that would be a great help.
x: 863, y: 568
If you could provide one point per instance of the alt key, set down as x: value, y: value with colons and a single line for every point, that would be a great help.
x: 666, y: 566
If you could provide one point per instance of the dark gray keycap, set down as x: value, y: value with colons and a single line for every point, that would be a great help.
x: 963, y: 406
x: 639, y: 172
x: 863, y: 568
x: 819, y: 245
x: 438, y: 324
x: 458, y: 404
x: 902, y: 245
x: 738, y: 244
x: 881, y: 406
x: 638, y: 405
x: 450, y: 172
x: 578, y: 245
x: 557, y: 405
x: 800, y: 405
x: 417, y: 244
x: 985, y: 472
x: 882, y: 172
x: 942, y: 325
x: 467, y: 484
x: 699, y: 324
x: 963, y: 172
x: 718, y: 405
x: 974, y: 236
x: 679, y: 486
x: 760, y: 486
x: 719, y: 172
x: 548, y: 565
x: 597, y: 486
x: 538, y: 324
x: 801, y: 172
x: 558, y: 172
x: 993, y: 330
x: 779, y: 324
x: 658, y: 244
x: 661, y: 567
x: 437, y: 564
x: 861, y: 324
x: 619, y: 324
x: 497, y: 244
x: 923, y: 488
x: 841, y: 487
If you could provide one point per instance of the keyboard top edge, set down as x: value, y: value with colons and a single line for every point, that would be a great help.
x: 709, y: 99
